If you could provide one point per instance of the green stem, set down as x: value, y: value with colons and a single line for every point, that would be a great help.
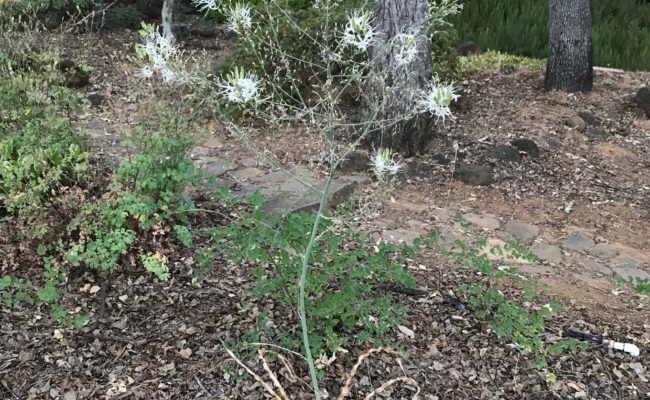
x: 303, y: 283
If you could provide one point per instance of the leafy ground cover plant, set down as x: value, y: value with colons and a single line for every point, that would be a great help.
x: 345, y: 292
x: 514, y: 318
x: 147, y: 196
x: 41, y: 156
x: 64, y: 206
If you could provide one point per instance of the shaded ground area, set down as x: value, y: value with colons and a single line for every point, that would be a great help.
x: 582, y: 204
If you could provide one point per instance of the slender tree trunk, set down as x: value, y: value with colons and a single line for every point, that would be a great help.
x: 167, y: 20
x: 570, y: 50
x: 394, y: 89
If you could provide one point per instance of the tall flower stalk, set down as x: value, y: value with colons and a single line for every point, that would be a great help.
x: 276, y: 97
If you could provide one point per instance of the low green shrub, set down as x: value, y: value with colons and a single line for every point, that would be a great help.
x: 41, y: 155
x: 510, y: 316
x: 148, y: 192
x: 344, y: 299
x: 492, y: 60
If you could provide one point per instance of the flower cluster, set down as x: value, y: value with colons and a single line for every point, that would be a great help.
x: 239, y: 18
x: 358, y: 33
x: 436, y: 99
x: 206, y: 5
x: 405, y: 49
x: 240, y: 87
x: 383, y: 162
x: 158, y: 51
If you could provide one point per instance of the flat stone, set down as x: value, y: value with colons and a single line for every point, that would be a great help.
x: 249, y: 162
x: 216, y: 167
x: 246, y: 174
x: 505, y: 152
x: 287, y: 194
x: 625, y: 261
x: 603, y: 251
x: 474, y: 174
x: 595, y: 133
x: 595, y: 266
x: 442, y: 214
x: 589, y: 118
x: 536, y: 269
x: 400, y: 235
x: 417, y: 206
x: 358, y: 179
x: 631, y: 273
x: 596, y: 283
x: 547, y: 252
x: 578, y: 241
x: 576, y: 122
x: 522, y: 230
x: 485, y: 221
x: 527, y: 146
x: 199, y: 152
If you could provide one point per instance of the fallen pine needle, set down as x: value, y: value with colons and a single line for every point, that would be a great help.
x: 383, y: 387
x: 261, y: 352
x: 345, y: 390
x: 254, y: 375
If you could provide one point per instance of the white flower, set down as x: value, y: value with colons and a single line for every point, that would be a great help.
x: 168, y: 75
x: 240, y: 87
x: 358, y: 32
x: 145, y: 72
x: 406, y: 49
x: 436, y: 99
x: 384, y: 164
x: 159, y: 51
x: 205, y: 5
x: 239, y: 18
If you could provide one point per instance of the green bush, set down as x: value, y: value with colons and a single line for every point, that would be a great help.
x: 40, y: 153
x: 148, y: 191
x: 495, y: 61
x: 344, y: 299
x: 620, y: 29
x: 512, y: 316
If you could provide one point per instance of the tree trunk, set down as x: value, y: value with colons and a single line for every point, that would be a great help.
x: 167, y: 18
x: 393, y: 90
x: 570, y: 51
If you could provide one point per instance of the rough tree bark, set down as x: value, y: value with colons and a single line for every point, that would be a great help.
x: 394, y: 92
x: 167, y: 18
x: 570, y: 51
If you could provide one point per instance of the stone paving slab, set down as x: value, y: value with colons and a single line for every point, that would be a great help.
x: 521, y: 230
x: 285, y: 193
x: 547, y: 252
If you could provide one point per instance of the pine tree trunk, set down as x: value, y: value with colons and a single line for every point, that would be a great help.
x: 570, y: 51
x: 394, y: 91
x: 167, y: 20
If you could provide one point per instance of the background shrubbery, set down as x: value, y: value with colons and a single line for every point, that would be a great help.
x: 620, y: 29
